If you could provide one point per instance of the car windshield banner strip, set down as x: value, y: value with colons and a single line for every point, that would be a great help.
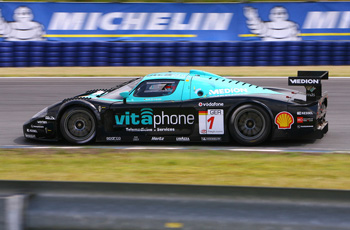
x: 289, y: 21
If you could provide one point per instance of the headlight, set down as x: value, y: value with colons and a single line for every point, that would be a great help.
x: 42, y: 113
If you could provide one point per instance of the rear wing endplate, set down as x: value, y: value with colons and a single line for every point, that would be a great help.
x: 312, y: 82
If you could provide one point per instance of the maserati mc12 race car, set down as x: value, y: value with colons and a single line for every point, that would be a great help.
x: 187, y: 107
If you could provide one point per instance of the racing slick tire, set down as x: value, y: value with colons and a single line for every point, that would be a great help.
x: 250, y: 125
x: 78, y: 125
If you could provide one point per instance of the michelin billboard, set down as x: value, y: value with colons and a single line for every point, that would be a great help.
x: 21, y: 21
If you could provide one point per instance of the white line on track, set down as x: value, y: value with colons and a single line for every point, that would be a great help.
x: 257, y: 150
x: 217, y: 148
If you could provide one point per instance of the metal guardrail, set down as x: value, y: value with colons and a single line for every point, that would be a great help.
x: 38, y: 205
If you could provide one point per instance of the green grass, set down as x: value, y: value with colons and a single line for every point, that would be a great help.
x: 179, y: 167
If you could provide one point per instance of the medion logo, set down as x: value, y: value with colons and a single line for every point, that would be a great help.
x: 227, y: 91
x: 304, y: 81
x: 146, y: 117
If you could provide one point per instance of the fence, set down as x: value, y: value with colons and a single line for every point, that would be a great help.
x: 35, y: 53
x: 38, y: 205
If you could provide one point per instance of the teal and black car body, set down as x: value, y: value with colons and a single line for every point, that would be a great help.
x: 187, y: 107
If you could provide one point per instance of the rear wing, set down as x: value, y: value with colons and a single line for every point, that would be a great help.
x: 312, y: 82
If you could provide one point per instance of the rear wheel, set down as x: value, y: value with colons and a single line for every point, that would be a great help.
x: 78, y: 125
x: 250, y: 125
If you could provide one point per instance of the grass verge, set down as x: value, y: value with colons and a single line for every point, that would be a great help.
x: 141, y: 71
x: 179, y: 167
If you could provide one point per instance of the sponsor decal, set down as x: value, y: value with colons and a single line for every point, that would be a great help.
x: 37, y: 126
x: 157, y: 21
x: 146, y: 117
x: 326, y: 20
x: 303, y: 81
x: 152, y: 99
x: 113, y: 138
x: 304, y: 119
x: 51, y: 118
x: 32, y: 131
x: 227, y: 91
x: 157, y: 139
x: 182, y: 139
x: 211, y: 122
x: 29, y: 135
x: 304, y: 126
x: 304, y: 113
x: 211, y: 138
x: 165, y: 129
x: 41, y: 122
x: 208, y: 104
x: 138, y: 130
x: 284, y: 120
x: 23, y: 28
x: 100, y: 108
x: 279, y: 28
x: 136, y: 138
x: 300, y: 119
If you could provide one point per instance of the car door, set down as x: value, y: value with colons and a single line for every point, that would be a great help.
x: 152, y: 112
x: 209, y: 112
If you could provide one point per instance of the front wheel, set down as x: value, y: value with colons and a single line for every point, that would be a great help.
x: 78, y: 125
x: 250, y: 125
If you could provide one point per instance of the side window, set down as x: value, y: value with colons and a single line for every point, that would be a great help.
x: 156, y: 88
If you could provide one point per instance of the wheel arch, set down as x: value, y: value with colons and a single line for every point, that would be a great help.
x: 251, y: 102
x: 77, y: 103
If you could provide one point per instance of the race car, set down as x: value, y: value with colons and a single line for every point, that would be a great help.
x: 187, y: 107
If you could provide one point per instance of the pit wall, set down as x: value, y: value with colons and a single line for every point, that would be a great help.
x: 41, y: 53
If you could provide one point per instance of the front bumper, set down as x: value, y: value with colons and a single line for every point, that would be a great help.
x: 40, y: 129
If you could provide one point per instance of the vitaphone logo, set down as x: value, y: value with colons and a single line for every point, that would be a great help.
x: 146, y: 117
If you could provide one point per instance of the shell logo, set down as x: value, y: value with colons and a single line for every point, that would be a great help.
x: 284, y: 120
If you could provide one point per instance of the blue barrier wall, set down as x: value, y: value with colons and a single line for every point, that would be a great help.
x: 24, y: 54
x: 263, y: 21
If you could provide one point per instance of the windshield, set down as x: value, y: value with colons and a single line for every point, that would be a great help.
x: 114, y: 92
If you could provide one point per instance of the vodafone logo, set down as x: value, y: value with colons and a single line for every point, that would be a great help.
x: 212, y: 104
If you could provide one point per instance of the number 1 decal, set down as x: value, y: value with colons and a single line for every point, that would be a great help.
x: 211, y: 122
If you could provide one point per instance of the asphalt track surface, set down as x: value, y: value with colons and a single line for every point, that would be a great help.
x: 21, y: 98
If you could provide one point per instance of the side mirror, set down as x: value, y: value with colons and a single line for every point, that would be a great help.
x: 124, y: 95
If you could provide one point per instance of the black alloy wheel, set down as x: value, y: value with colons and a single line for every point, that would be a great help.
x: 78, y: 125
x: 250, y: 125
